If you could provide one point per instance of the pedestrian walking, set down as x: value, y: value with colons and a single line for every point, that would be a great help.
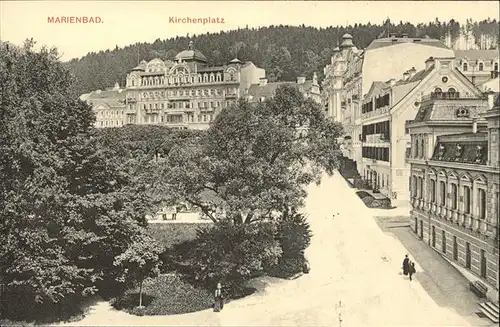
x: 218, y: 298
x: 411, y: 269
x: 406, y: 265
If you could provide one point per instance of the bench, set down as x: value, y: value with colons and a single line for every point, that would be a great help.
x: 478, y: 288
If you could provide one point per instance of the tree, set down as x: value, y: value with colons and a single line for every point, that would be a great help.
x: 140, y: 261
x: 253, y: 162
x: 227, y: 253
x: 66, y: 207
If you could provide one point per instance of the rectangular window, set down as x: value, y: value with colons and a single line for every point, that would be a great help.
x: 482, y: 203
x: 442, y: 186
x: 483, y: 264
x: 455, y: 248
x: 454, y: 196
x: 467, y: 255
x: 443, y: 241
x: 467, y: 202
x: 414, y: 185
x: 433, y: 191
x: 421, y: 188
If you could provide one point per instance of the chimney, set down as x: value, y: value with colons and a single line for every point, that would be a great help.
x: 429, y: 62
x: 262, y: 81
x: 412, y: 72
x: 301, y: 80
x: 392, y: 82
x: 406, y: 76
x: 474, y: 125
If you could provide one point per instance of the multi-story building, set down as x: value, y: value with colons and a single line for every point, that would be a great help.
x: 480, y: 66
x: 387, y: 107
x: 108, y: 106
x: 455, y: 182
x: 264, y: 90
x: 187, y: 92
x: 352, y: 72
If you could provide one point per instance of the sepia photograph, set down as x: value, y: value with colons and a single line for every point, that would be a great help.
x: 249, y: 163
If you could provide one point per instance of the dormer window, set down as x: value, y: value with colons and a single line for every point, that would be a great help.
x: 481, y: 66
x: 462, y: 113
x: 465, y: 66
x: 458, y: 152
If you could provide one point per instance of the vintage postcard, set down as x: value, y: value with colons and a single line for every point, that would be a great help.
x: 249, y: 163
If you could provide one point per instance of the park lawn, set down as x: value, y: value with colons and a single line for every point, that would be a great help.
x: 171, y: 234
x: 166, y: 294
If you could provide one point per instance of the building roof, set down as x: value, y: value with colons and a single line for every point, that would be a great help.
x: 386, y: 42
x: 191, y: 54
x: 113, y: 98
x: 485, y: 55
x: 456, y: 110
x: 211, y: 69
x: 268, y: 90
x: 468, y: 148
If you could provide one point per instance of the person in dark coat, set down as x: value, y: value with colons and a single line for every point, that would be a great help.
x: 411, y: 269
x: 406, y: 265
x: 218, y: 299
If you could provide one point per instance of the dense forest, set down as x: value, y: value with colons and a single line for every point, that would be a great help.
x: 284, y: 51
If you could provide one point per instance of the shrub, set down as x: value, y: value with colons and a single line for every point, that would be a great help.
x: 227, y: 253
x: 164, y: 295
x: 294, y: 235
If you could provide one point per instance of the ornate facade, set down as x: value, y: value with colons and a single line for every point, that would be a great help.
x: 385, y: 110
x: 455, y: 183
x: 187, y: 92
x: 352, y: 71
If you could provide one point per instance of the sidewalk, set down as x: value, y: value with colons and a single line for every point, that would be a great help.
x: 492, y: 294
x: 441, y: 280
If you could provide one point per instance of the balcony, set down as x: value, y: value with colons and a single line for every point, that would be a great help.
x: 179, y: 97
x: 376, y: 138
x: 447, y: 96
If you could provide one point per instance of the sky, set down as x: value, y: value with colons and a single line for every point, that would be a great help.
x: 127, y: 22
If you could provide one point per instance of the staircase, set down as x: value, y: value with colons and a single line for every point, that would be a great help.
x: 490, y: 310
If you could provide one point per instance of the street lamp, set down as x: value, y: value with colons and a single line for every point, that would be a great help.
x: 339, y: 307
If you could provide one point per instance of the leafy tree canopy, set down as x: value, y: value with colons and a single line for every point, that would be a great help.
x: 66, y: 207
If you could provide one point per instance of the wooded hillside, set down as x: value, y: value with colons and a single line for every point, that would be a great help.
x: 284, y: 51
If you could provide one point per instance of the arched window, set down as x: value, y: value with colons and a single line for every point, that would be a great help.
x: 438, y: 90
x: 451, y: 90
x: 481, y: 66
x: 465, y: 66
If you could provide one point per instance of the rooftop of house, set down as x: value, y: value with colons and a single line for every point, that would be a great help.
x: 114, y: 97
x: 485, y: 55
x: 390, y: 41
x: 269, y: 89
x: 459, y: 109
x: 468, y: 148
x: 402, y: 87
